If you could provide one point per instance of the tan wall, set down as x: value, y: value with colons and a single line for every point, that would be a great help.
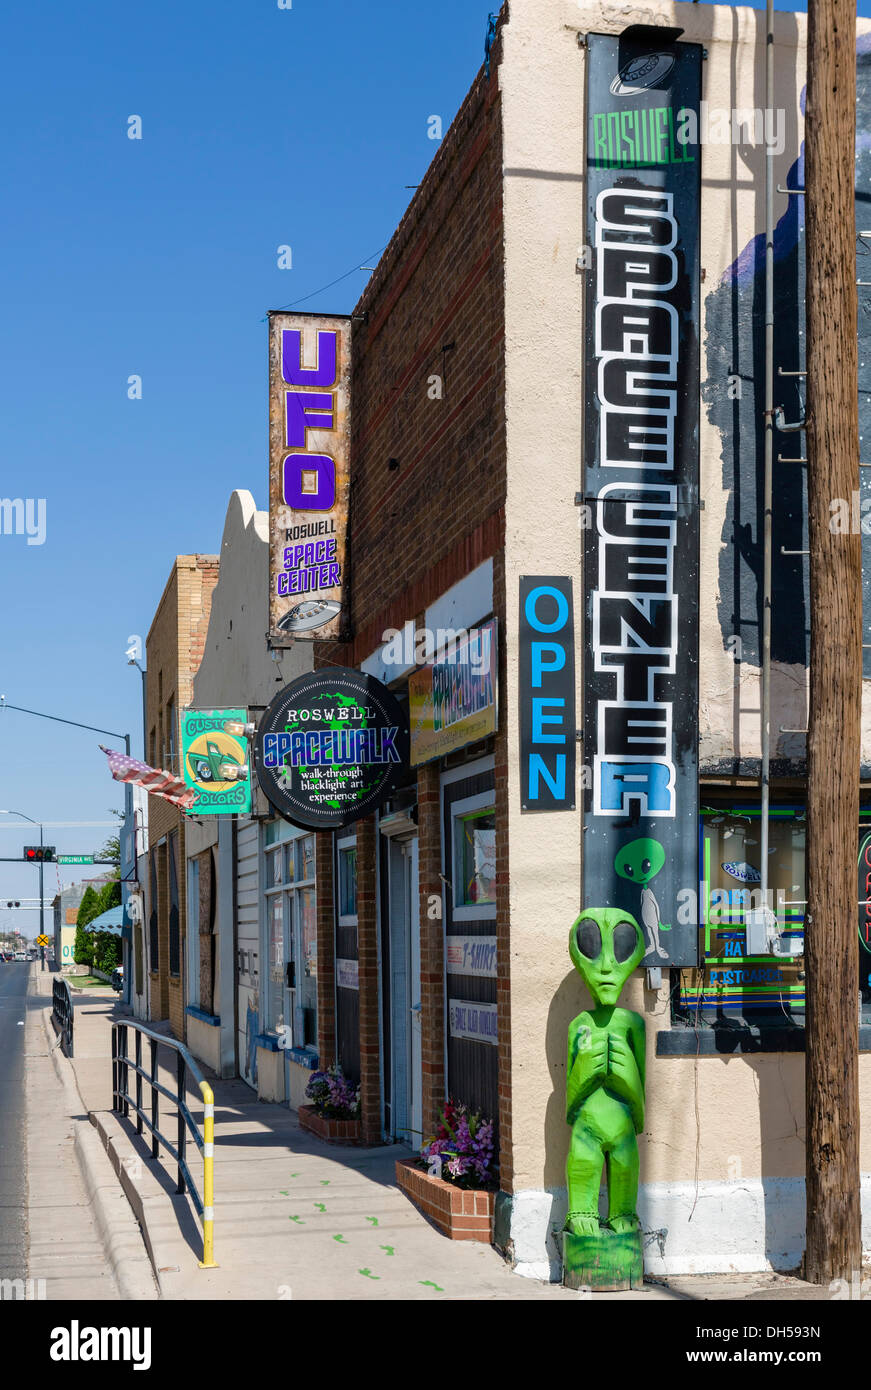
x: 712, y: 1119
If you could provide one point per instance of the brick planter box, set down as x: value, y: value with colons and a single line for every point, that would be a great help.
x: 458, y: 1214
x: 334, y: 1131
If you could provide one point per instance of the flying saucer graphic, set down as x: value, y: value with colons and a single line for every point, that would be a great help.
x: 315, y: 612
x: 744, y: 872
x: 641, y: 73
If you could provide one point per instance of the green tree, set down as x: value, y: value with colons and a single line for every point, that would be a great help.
x: 89, y: 908
x: 112, y: 848
x: 109, y: 896
x: 106, y: 946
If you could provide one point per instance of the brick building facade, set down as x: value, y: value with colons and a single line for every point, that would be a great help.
x: 428, y: 471
x: 174, y: 649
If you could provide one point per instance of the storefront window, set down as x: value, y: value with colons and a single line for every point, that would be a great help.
x: 292, y: 932
x: 348, y: 882
x: 275, y: 868
x: 731, y: 984
x: 307, y: 857
x: 475, y: 858
x: 276, y: 959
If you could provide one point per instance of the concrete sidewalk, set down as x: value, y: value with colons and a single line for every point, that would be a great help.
x: 82, y: 1239
x: 296, y: 1218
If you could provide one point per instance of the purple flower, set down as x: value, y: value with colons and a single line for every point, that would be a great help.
x: 333, y: 1094
x: 466, y: 1142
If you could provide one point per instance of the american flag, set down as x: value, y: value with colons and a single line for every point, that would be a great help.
x: 163, y: 784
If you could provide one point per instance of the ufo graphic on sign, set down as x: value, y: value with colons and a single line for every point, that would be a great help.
x: 314, y: 612
x: 641, y: 73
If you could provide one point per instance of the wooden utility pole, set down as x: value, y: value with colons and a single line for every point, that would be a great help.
x: 834, y: 1246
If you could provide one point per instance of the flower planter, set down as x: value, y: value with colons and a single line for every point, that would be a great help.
x: 459, y: 1214
x: 333, y: 1131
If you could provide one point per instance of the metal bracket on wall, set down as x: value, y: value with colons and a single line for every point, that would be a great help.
x: 784, y: 551
x: 583, y: 499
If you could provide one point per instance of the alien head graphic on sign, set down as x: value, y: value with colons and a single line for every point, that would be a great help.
x: 639, y: 861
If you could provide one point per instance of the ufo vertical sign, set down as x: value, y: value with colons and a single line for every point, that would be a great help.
x: 214, y: 754
x: 641, y: 485
x: 309, y: 474
x: 331, y: 747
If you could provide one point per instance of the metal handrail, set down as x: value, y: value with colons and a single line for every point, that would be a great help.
x: 62, y: 1012
x: 122, y: 1065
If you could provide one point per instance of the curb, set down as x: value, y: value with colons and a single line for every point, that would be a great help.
x: 119, y: 1231
x: 152, y: 1206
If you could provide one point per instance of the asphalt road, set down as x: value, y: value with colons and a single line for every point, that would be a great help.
x: 13, y: 1173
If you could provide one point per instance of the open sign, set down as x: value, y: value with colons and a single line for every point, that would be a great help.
x: 547, y: 694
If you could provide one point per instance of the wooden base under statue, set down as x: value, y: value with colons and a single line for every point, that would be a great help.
x: 609, y: 1262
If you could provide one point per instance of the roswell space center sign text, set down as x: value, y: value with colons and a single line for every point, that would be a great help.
x: 641, y: 484
x: 309, y: 440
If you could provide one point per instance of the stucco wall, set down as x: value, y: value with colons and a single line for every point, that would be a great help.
x: 723, y: 1155
x: 237, y: 671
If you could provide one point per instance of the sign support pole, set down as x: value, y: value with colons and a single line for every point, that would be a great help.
x: 41, y: 894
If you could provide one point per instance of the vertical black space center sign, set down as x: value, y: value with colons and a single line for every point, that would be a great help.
x: 641, y: 486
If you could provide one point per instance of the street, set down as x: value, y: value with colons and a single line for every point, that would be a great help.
x: 13, y: 1161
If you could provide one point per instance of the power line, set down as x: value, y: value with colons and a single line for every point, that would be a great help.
x: 314, y: 293
x: 61, y: 824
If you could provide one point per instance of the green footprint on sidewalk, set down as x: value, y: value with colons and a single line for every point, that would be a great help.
x: 341, y: 1240
x: 373, y: 1219
x: 428, y: 1284
x: 367, y: 1274
x: 320, y: 1206
x: 389, y: 1249
x: 296, y: 1218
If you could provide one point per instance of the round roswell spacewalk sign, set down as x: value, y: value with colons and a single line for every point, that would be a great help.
x: 330, y: 748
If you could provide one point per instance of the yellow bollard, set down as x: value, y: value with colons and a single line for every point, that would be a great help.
x: 208, y: 1260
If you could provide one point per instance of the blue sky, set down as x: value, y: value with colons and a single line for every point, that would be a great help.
x: 158, y: 258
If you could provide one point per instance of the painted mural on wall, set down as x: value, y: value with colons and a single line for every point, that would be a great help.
x: 252, y: 1028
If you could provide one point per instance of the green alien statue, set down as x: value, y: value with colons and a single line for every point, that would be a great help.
x: 604, y: 1106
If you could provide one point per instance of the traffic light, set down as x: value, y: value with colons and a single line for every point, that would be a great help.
x: 39, y: 854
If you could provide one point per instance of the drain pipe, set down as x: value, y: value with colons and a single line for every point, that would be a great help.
x: 769, y: 456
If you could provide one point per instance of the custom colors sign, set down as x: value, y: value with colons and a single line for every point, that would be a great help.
x: 546, y: 641
x: 641, y: 477
x: 330, y: 748
x: 214, y: 755
x: 309, y: 479
x: 453, y: 701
